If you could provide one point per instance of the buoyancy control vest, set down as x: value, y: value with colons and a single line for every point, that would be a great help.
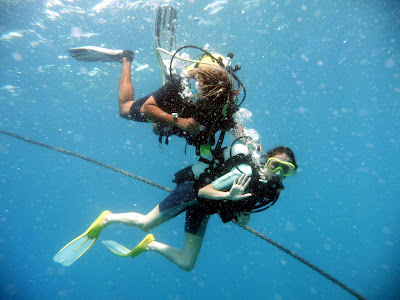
x: 212, y: 122
x: 264, y: 193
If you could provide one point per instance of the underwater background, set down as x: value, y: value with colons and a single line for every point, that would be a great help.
x: 322, y: 77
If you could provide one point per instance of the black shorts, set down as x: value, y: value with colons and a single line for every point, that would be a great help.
x: 183, y: 198
x: 135, y: 113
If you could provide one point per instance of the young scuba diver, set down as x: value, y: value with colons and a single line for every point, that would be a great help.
x: 240, y: 182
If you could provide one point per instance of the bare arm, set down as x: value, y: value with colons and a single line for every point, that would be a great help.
x: 210, y: 192
x: 154, y: 113
x: 234, y: 194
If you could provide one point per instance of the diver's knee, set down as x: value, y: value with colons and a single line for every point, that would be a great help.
x: 125, y: 107
x: 145, y: 229
x: 187, y: 265
x: 125, y: 114
x: 146, y: 226
x: 187, y: 268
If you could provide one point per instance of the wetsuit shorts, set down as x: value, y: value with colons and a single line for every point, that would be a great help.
x: 135, y: 113
x: 183, y: 198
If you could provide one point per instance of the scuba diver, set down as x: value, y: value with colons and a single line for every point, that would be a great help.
x: 239, y: 182
x: 195, y: 104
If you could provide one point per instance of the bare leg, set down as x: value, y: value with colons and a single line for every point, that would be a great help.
x: 125, y: 92
x: 184, y: 259
x: 144, y: 222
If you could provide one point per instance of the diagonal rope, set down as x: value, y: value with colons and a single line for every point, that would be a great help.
x: 87, y: 159
x: 251, y: 230
x: 302, y: 260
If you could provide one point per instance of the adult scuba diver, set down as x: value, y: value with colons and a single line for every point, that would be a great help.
x: 237, y: 183
x: 194, y: 104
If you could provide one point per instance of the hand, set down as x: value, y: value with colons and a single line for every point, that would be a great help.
x: 156, y: 131
x: 238, y: 188
x: 190, y: 125
x: 243, y: 218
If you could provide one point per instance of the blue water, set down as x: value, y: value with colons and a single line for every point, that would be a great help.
x: 322, y: 78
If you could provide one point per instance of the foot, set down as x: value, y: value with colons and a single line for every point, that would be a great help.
x: 141, y: 247
x: 128, y: 54
x: 97, y: 226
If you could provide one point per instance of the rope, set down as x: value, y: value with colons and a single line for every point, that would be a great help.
x: 251, y: 230
x: 87, y: 159
x: 302, y: 260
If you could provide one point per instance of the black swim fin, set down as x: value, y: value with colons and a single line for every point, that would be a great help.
x: 95, y: 54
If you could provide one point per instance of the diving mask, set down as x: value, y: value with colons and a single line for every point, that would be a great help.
x: 274, y: 164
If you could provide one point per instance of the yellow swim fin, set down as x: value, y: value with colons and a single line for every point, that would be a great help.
x: 125, y: 252
x: 77, y: 247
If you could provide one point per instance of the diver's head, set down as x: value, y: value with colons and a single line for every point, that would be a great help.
x: 280, y: 163
x: 214, y: 87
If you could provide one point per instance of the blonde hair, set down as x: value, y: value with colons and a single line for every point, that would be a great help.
x: 216, y: 87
